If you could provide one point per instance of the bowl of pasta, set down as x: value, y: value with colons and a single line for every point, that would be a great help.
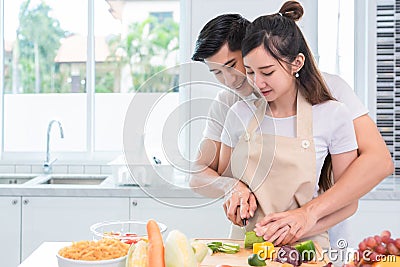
x: 103, y: 253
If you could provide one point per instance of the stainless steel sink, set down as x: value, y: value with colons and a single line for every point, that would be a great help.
x: 16, y: 178
x: 74, y: 179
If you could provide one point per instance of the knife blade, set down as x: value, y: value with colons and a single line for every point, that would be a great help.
x: 244, y: 222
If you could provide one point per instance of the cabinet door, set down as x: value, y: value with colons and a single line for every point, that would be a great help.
x: 207, y: 221
x: 10, y: 227
x: 66, y: 218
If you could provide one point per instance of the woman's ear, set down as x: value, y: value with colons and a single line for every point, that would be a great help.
x: 298, y: 63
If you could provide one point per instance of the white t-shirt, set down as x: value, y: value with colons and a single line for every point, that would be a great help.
x: 218, y: 111
x: 340, y: 90
x: 333, y: 128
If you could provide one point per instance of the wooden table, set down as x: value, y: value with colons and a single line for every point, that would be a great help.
x: 240, y: 259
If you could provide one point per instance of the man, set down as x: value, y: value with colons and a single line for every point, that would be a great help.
x: 219, y: 46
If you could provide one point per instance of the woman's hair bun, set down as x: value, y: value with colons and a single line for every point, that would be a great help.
x: 292, y: 10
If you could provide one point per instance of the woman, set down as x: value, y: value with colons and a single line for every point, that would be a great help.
x: 302, y: 122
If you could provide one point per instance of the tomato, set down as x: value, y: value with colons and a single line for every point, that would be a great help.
x: 112, y: 234
x: 130, y: 234
x: 119, y: 234
x: 131, y: 241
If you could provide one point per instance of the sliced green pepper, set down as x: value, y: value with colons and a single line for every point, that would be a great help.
x: 306, y: 249
x: 251, y: 238
x: 229, y: 248
x: 254, y: 260
x: 215, y: 243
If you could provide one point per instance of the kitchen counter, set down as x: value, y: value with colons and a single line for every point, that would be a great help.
x: 105, y: 189
x: 379, y: 194
x: 167, y: 190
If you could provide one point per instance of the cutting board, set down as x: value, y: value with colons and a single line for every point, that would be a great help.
x: 240, y: 259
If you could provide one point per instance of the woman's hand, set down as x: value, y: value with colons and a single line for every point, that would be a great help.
x: 277, y: 237
x: 297, y: 222
x: 240, y: 203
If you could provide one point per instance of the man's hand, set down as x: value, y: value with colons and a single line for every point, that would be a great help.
x: 297, y: 223
x: 277, y: 237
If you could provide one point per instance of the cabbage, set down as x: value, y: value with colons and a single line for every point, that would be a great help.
x: 178, y: 251
x: 200, y: 250
x: 137, y: 255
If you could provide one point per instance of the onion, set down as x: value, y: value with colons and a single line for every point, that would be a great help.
x: 288, y: 254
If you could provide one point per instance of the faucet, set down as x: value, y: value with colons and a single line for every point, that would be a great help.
x: 47, y: 166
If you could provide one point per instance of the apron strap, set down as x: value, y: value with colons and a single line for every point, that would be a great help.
x: 304, y: 117
x: 261, y: 105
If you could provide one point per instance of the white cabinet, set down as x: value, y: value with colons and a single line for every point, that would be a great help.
x: 207, y: 221
x: 66, y: 218
x: 10, y: 230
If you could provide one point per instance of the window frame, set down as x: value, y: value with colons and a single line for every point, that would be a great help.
x: 2, y: 80
x: 365, y: 53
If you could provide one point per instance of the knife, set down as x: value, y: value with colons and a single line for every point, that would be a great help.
x: 244, y: 222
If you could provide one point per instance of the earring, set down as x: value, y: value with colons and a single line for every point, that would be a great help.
x: 296, y: 75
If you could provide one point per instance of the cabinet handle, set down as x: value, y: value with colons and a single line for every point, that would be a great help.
x: 14, y: 201
x: 26, y: 201
x: 134, y: 203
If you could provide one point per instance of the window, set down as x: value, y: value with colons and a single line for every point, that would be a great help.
x: 81, y: 62
x: 336, y: 38
x: 43, y: 79
x: 142, y: 42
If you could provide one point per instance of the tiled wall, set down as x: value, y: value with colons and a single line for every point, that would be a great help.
x: 70, y: 168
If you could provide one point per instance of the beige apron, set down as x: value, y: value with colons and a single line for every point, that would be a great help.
x: 280, y: 171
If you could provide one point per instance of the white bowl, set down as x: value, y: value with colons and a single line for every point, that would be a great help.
x: 123, y: 228
x: 64, y: 262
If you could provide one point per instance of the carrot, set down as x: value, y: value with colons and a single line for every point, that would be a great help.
x: 156, y: 245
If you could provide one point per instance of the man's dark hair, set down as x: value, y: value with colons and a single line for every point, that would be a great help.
x: 227, y: 28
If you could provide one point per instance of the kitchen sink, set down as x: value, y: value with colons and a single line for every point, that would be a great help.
x: 16, y: 178
x: 74, y: 179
